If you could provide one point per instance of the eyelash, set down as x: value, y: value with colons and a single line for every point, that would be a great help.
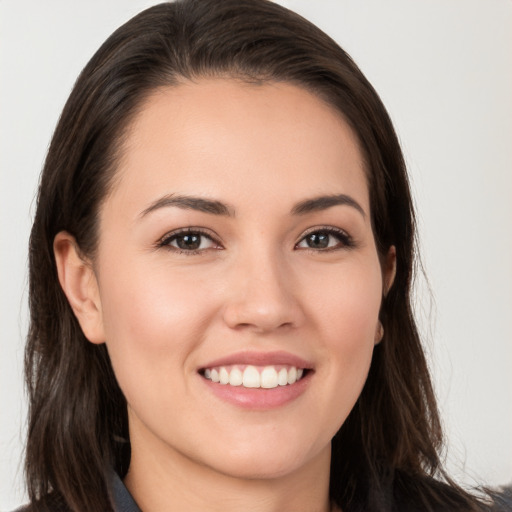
x: 345, y: 240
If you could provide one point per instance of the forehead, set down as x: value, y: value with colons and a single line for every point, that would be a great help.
x: 222, y: 137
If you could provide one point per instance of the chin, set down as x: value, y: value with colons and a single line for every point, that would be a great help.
x: 251, y: 469
x: 263, y: 463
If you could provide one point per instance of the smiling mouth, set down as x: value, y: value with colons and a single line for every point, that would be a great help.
x: 250, y: 376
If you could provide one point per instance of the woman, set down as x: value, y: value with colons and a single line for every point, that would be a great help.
x: 220, y: 270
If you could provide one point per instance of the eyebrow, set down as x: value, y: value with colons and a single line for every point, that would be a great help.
x: 190, y: 203
x: 324, y: 202
x: 215, y: 207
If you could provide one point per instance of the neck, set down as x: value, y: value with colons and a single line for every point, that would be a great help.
x: 163, y: 479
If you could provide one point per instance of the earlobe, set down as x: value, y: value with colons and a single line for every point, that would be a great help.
x: 78, y: 281
x: 379, y: 333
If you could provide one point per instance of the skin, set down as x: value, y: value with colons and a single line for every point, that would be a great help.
x: 255, y: 285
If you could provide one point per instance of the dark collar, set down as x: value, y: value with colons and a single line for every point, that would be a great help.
x: 123, y: 501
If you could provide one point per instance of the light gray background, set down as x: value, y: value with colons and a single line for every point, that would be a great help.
x: 444, y: 70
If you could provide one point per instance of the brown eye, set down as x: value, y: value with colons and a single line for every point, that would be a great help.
x: 318, y: 240
x: 189, y: 241
x: 325, y: 239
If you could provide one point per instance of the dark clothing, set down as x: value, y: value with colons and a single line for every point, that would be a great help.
x: 503, y: 500
x: 123, y: 501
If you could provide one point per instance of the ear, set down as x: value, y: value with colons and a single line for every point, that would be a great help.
x: 388, y: 278
x: 379, y: 333
x: 389, y: 270
x: 79, y: 283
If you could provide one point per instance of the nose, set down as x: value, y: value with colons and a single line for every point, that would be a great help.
x: 262, y: 295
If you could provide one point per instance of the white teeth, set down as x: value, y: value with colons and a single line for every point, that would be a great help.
x: 269, y: 377
x: 266, y: 377
x: 235, y: 377
x: 292, y: 375
x: 282, y: 377
x: 251, y: 378
x: 223, y: 376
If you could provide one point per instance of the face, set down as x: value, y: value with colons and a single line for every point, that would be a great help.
x: 238, y: 279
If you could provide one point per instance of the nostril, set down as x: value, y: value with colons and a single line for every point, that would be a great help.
x: 242, y: 326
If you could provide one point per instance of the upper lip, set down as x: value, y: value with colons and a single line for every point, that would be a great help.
x: 260, y: 359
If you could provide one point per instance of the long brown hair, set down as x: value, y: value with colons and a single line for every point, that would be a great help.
x: 386, y: 454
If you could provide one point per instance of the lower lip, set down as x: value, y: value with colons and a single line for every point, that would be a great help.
x: 259, y: 398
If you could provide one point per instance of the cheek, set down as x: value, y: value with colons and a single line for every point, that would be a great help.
x: 345, y: 310
x: 137, y: 299
x: 346, y: 304
x: 153, y: 318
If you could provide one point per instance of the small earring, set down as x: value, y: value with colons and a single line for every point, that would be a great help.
x: 379, y: 334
